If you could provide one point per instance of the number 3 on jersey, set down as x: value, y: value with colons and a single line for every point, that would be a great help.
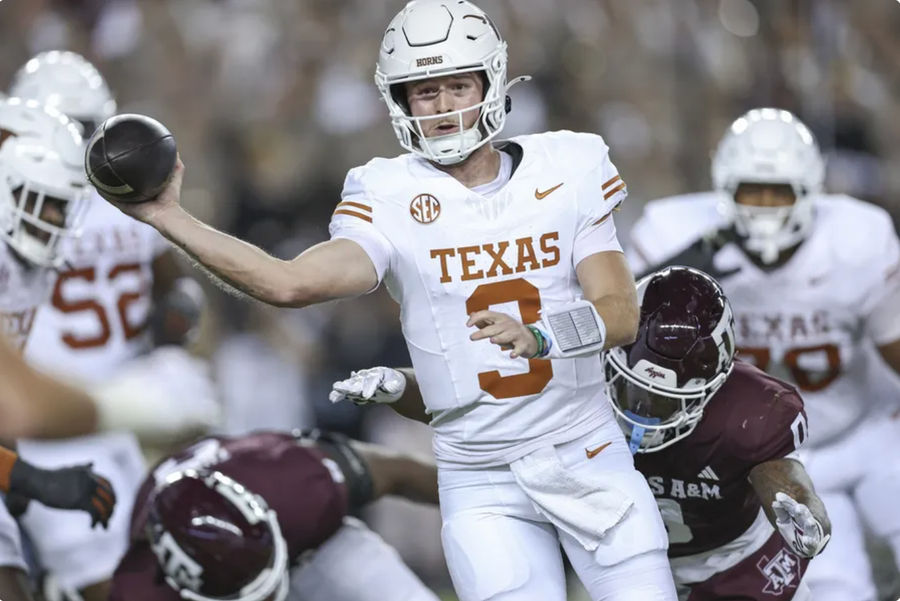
x: 528, y: 297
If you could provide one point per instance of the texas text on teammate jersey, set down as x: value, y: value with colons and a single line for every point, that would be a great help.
x: 809, y: 321
x: 310, y: 503
x: 445, y: 251
x: 702, y: 488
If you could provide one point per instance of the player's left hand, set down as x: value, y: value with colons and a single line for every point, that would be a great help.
x: 76, y: 487
x: 503, y: 331
x: 798, y: 526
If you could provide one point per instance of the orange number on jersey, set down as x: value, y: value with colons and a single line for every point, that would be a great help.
x: 804, y: 379
x: 64, y: 306
x: 125, y: 299
x: 814, y: 380
x: 540, y: 371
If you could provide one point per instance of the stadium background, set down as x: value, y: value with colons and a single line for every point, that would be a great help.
x: 272, y: 101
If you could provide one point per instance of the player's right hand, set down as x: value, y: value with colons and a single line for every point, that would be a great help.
x: 155, y: 210
x: 367, y: 386
x: 77, y: 487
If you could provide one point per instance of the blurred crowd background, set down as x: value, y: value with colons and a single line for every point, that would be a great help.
x: 272, y: 101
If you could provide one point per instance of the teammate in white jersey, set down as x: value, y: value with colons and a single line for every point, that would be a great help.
x: 42, y: 188
x: 95, y: 329
x: 476, y: 241
x: 814, y: 281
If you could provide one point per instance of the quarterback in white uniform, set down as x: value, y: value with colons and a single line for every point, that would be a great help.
x: 814, y: 281
x: 94, y: 330
x: 505, y: 263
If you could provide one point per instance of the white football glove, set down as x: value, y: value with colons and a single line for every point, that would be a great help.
x: 798, y: 526
x: 367, y: 386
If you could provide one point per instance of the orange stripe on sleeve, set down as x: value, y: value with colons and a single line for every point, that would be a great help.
x: 613, y: 191
x: 358, y: 205
x: 611, y: 181
x: 7, y: 461
x: 354, y: 214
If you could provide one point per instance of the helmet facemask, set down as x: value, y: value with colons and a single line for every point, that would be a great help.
x: 181, y: 569
x: 771, y: 147
x: 660, y: 384
x: 43, y: 189
x: 430, y: 39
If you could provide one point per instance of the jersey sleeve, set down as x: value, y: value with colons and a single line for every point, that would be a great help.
x: 354, y: 218
x: 775, y: 428
x: 600, y: 192
x: 880, y: 308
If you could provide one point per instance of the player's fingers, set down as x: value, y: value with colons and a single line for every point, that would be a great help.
x: 483, y: 318
x: 336, y: 397
x: 370, y: 383
x: 487, y: 332
x: 506, y: 336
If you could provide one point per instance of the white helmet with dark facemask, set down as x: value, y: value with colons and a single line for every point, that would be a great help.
x: 434, y: 38
x: 769, y: 146
x: 41, y: 163
x: 70, y: 84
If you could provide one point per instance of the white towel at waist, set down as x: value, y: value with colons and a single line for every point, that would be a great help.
x: 582, y: 507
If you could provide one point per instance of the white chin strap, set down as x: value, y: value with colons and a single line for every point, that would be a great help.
x: 453, y: 148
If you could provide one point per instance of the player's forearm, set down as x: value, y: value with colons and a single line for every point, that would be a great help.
x: 411, y: 405
x: 399, y: 474
x: 235, y: 262
x: 620, y: 315
x: 787, y: 476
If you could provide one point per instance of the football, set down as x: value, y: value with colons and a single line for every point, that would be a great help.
x: 130, y: 158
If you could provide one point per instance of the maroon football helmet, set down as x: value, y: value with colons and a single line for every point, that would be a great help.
x: 683, y: 353
x: 215, y: 540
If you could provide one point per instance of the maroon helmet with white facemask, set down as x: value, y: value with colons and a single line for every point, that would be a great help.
x: 215, y: 540
x: 683, y: 353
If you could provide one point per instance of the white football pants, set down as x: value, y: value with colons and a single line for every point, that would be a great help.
x: 500, y: 547
x: 355, y: 564
x: 858, y: 479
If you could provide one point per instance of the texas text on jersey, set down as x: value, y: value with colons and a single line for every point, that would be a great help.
x: 449, y: 251
x: 701, y: 482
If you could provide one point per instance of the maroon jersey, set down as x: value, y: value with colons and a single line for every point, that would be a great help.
x: 295, y: 477
x: 700, y: 482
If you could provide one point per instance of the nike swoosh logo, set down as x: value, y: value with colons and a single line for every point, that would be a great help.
x: 542, y: 195
x: 591, y: 453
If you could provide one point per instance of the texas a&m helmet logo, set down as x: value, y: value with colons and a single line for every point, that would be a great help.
x: 425, y: 208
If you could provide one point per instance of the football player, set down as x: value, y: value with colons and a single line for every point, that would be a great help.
x: 95, y: 328
x: 264, y: 517
x: 715, y: 438
x: 42, y: 188
x: 504, y: 259
x: 814, y: 281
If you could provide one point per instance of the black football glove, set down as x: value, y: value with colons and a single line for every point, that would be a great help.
x: 76, y: 487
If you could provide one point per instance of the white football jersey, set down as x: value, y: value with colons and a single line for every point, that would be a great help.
x: 98, y: 310
x: 23, y: 288
x: 811, y: 321
x: 445, y: 251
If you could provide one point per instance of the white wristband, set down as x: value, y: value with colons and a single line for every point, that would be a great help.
x: 574, y: 330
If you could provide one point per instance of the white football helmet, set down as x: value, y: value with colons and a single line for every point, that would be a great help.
x: 41, y: 161
x: 433, y: 38
x: 769, y: 146
x: 68, y: 82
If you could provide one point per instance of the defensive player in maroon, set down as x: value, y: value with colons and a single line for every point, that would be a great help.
x: 716, y: 440
x: 264, y: 518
